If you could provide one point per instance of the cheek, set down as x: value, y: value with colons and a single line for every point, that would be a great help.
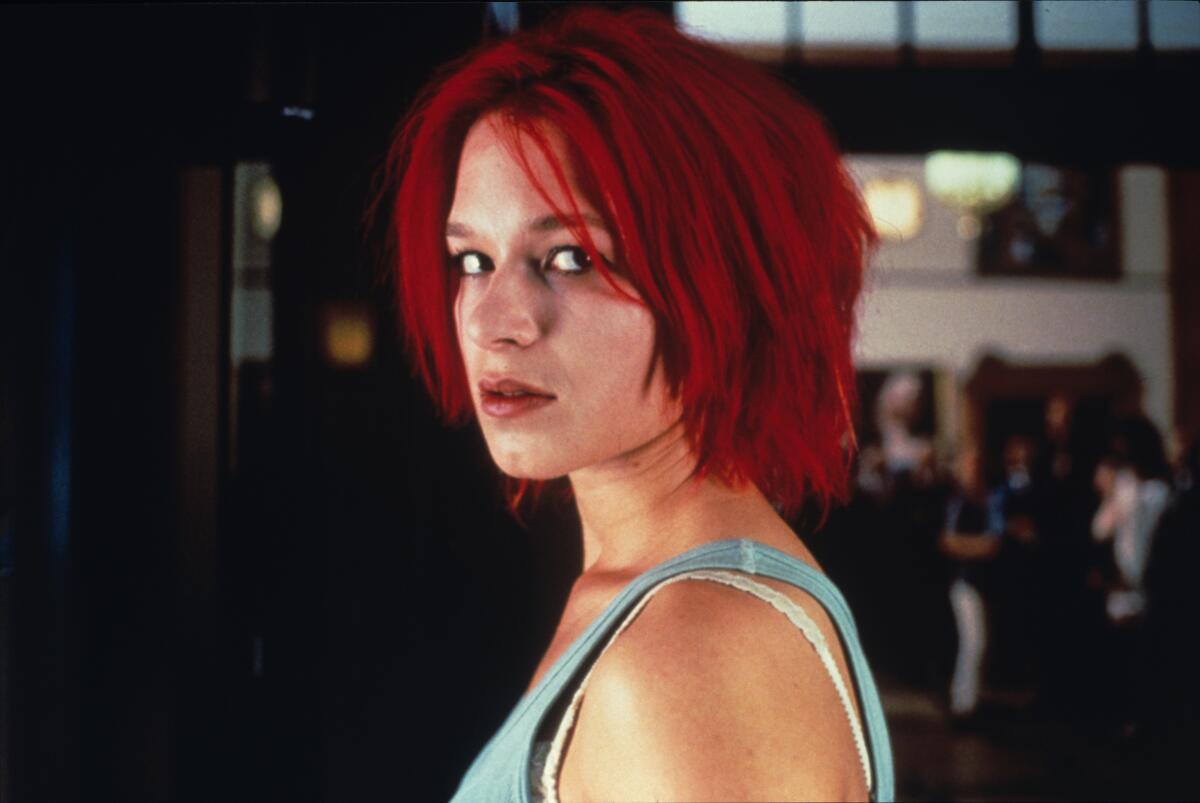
x: 614, y: 341
x: 625, y: 358
x: 618, y: 357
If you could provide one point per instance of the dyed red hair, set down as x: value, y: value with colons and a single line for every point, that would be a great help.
x: 733, y: 216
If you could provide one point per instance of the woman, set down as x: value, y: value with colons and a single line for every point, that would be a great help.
x: 971, y: 537
x: 1134, y: 492
x: 634, y: 259
x: 1132, y: 483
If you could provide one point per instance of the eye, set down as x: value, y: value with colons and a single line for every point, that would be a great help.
x: 469, y: 263
x: 567, y: 259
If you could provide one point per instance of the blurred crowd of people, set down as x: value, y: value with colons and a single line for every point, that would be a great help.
x: 1056, y: 564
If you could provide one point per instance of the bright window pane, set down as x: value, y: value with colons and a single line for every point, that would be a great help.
x: 758, y: 23
x: 965, y: 25
x: 1086, y: 24
x: 837, y: 23
x: 1174, y: 24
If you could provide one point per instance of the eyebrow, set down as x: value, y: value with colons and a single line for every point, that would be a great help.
x: 545, y: 223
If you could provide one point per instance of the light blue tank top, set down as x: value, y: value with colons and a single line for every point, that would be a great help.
x: 502, y: 771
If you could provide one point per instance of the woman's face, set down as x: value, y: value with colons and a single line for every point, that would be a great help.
x: 535, y: 318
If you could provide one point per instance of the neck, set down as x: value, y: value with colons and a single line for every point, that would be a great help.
x: 646, y: 506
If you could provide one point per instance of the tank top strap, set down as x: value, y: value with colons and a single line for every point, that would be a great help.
x: 717, y: 561
x: 782, y: 603
x: 768, y: 562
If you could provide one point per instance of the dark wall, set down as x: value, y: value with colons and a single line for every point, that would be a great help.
x: 373, y: 610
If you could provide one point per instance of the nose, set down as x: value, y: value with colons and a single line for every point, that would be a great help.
x: 509, y: 311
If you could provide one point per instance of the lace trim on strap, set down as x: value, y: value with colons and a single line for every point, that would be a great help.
x: 781, y: 602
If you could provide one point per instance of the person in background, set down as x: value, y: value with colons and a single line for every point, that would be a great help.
x: 1060, y: 462
x: 1068, y: 622
x: 971, y: 538
x: 902, y: 458
x: 1020, y: 601
x: 1020, y: 490
x: 1132, y: 482
x: 898, y: 481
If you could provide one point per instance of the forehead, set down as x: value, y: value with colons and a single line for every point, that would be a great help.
x: 491, y: 178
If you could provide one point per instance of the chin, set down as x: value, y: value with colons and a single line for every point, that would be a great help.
x: 522, y: 468
x: 528, y: 462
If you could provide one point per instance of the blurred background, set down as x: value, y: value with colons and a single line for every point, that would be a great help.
x: 240, y: 559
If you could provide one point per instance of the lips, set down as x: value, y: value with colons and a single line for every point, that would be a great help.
x: 507, y: 386
x: 505, y: 397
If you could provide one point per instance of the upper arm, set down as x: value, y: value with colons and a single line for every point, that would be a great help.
x: 712, y: 694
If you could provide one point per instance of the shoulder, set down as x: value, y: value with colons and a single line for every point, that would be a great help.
x: 711, y: 693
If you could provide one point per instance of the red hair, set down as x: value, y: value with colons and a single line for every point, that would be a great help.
x: 734, y: 220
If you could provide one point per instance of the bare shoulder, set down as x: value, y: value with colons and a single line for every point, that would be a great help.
x: 712, y: 694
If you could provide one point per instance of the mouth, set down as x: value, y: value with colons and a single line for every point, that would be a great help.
x: 506, y: 397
